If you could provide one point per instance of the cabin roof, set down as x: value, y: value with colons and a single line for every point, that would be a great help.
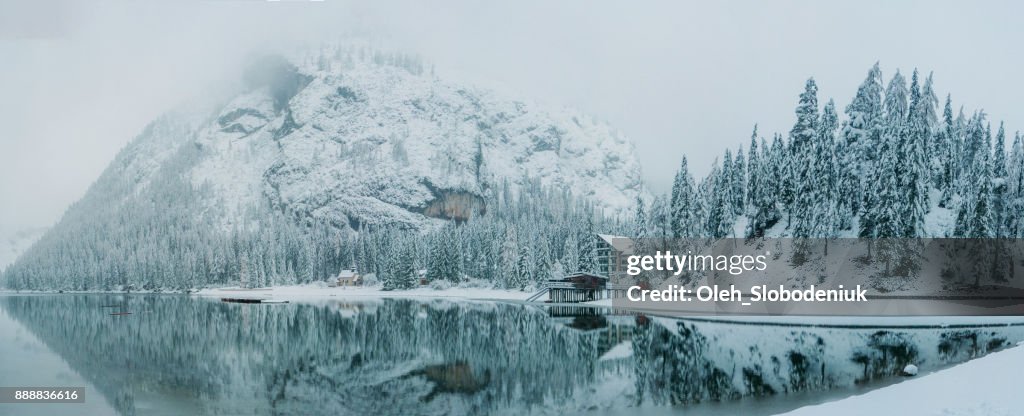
x: 347, y: 274
x: 578, y: 274
x: 585, y: 274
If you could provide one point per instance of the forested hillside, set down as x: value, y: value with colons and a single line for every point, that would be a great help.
x: 891, y: 168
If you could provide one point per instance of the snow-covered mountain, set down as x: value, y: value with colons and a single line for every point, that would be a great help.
x: 264, y: 182
x: 363, y: 142
x: 14, y: 241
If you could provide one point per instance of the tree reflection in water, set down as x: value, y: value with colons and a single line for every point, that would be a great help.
x: 442, y: 357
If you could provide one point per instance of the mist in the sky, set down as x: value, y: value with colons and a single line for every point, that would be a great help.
x: 80, y: 79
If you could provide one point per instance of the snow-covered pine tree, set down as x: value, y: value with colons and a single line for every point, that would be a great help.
x: 571, y: 253
x: 1015, y: 190
x: 890, y: 203
x: 738, y: 183
x: 947, y: 152
x: 641, y: 228
x: 725, y: 185
x: 682, y: 204
x: 916, y: 170
x: 753, y: 166
x: 588, y: 248
x: 556, y: 271
x: 861, y: 134
x: 973, y: 151
x: 786, y: 181
x: 404, y: 273
x: 1000, y: 220
x: 541, y: 261
x: 760, y: 192
x: 524, y: 266
x: 435, y: 260
x: 801, y: 141
x: 444, y: 260
x: 718, y: 222
x: 929, y: 102
x: 974, y: 216
x: 660, y: 218
x: 826, y: 216
x: 756, y: 217
x: 387, y: 269
x: 511, y: 274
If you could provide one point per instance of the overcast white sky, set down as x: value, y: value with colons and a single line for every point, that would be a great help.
x: 80, y: 79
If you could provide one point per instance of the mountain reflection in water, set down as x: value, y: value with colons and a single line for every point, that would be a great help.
x: 428, y: 357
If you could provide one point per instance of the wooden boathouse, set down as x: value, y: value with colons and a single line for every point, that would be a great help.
x: 580, y: 287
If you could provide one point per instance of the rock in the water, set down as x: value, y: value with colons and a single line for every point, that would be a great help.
x: 910, y: 370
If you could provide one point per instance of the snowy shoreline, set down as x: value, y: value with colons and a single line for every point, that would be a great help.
x: 314, y: 292
x: 983, y: 385
x: 317, y: 292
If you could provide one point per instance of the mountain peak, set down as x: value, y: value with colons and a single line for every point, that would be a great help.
x: 377, y: 141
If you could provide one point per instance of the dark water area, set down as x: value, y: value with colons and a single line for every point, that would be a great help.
x: 169, y: 355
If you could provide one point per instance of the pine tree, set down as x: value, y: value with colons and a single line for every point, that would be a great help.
x: 444, y: 261
x: 975, y: 149
x: 588, y: 248
x: 890, y: 204
x: 1000, y: 221
x: 1015, y: 190
x: 861, y: 134
x: 641, y: 228
x: 760, y: 189
x: 719, y: 216
x: 404, y: 273
x: 571, y: 253
x: 948, y: 151
x: 753, y: 170
x: 739, y: 183
x: 780, y: 171
x: 725, y: 185
x: 801, y: 141
x: 682, y: 204
x: 978, y: 217
x: 766, y: 211
x: 916, y: 169
x: 929, y: 103
x: 512, y: 252
x: 826, y: 217
x: 974, y: 216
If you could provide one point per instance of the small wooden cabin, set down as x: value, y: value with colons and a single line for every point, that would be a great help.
x: 349, y: 278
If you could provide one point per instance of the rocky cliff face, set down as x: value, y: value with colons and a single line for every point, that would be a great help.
x: 367, y: 143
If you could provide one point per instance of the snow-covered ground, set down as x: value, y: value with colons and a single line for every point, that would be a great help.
x: 320, y: 291
x: 985, y: 386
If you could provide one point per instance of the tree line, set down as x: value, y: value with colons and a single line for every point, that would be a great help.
x: 879, y: 173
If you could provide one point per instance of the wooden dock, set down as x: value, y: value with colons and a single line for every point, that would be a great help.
x: 251, y: 300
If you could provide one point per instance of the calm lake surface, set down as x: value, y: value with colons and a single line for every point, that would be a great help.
x: 177, y: 355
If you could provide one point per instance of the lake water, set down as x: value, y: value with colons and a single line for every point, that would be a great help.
x: 172, y: 355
